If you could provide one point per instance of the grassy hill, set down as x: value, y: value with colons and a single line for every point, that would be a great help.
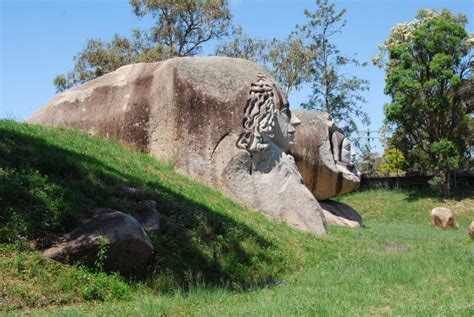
x: 215, y: 257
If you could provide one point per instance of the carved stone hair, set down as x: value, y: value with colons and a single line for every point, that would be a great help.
x: 259, y: 116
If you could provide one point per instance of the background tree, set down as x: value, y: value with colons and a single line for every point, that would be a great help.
x: 368, y: 162
x: 333, y: 89
x: 290, y: 61
x: 393, y: 161
x: 287, y: 60
x: 244, y: 46
x: 98, y: 58
x: 181, y: 28
x: 427, y: 61
x: 307, y: 55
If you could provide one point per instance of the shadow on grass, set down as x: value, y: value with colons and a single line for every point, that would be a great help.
x: 457, y: 194
x: 46, y: 190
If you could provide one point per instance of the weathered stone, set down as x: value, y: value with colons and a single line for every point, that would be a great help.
x: 340, y: 214
x: 148, y: 216
x: 443, y: 217
x: 471, y: 230
x: 127, y: 245
x: 323, y: 156
x: 220, y: 119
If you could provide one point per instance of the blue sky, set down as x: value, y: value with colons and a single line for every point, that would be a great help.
x: 40, y: 37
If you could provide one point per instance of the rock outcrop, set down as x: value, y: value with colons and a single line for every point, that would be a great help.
x: 470, y: 230
x: 222, y: 121
x: 126, y: 245
x: 148, y: 216
x: 340, y: 214
x: 443, y: 217
x: 323, y: 156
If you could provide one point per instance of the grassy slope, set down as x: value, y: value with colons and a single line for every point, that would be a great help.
x: 51, y: 178
x: 398, y: 264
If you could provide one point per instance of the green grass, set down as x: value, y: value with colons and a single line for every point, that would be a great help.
x: 215, y: 257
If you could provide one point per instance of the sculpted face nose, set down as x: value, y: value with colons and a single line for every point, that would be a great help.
x: 293, y: 123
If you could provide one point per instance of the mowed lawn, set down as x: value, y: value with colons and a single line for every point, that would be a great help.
x: 398, y: 264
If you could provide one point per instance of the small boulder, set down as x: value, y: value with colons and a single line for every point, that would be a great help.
x: 126, y: 243
x: 443, y: 217
x: 148, y: 216
x: 471, y: 230
x: 340, y: 214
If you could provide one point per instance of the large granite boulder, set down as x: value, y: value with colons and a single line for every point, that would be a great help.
x: 222, y: 120
x: 126, y: 245
x: 323, y: 156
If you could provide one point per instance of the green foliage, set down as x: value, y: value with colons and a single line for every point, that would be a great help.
x: 308, y: 55
x: 53, y: 178
x: 287, y: 60
x: 101, y: 255
x: 436, y: 184
x: 217, y: 258
x: 291, y: 61
x: 428, y: 64
x: 181, y: 28
x: 391, y: 261
x: 394, y: 161
x: 333, y: 90
x: 31, y: 280
x: 243, y: 46
x: 98, y: 58
x: 369, y: 162
x: 446, y: 154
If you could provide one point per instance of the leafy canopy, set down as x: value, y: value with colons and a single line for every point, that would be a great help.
x: 333, y: 89
x: 428, y: 64
x: 180, y: 29
x: 308, y: 56
x: 394, y: 161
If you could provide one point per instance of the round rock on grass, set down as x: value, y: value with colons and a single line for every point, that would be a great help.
x: 119, y: 236
x: 471, y: 230
x: 443, y: 217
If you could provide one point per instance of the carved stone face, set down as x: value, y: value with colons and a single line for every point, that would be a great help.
x: 267, y: 118
x: 341, y: 148
x: 346, y: 153
x: 284, y: 129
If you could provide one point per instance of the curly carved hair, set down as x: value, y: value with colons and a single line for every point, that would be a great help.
x: 259, y: 115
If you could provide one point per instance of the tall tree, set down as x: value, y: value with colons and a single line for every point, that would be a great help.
x: 244, y: 46
x: 287, y: 60
x: 180, y: 29
x: 393, y: 161
x: 290, y: 61
x: 333, y: 89
x: 428, y: 64
x: 182, y: 26
x: 96, y: 59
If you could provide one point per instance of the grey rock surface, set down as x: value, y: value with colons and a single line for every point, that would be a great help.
x: 341, y: 214
x: 470, y: 230
x: 148, y: 216
x: 321, y: 153
x: 127, y: 245
x: 191, y: 111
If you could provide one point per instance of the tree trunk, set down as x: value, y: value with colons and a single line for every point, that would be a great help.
x: 446, y: 183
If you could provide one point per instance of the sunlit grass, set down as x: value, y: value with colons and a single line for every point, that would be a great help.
x: 217, y: 258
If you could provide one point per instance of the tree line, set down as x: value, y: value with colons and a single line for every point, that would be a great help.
x: 428, y: 64
x: 308, y: 54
